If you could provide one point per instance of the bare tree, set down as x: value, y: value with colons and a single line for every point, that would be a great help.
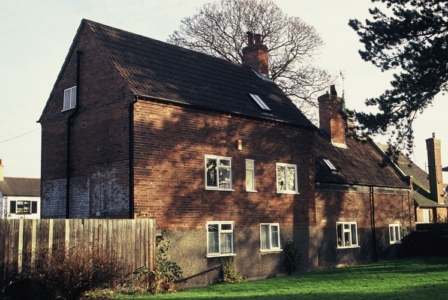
x: 219, y: 29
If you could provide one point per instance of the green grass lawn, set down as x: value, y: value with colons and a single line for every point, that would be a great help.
x: 417, y: 278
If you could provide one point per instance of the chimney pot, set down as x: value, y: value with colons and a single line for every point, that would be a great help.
x: 250, y: 38
x: 256, y: 55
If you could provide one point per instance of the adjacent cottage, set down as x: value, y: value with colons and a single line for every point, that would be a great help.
x: 429, y: 191
x: 213, y: 151
x: 19, y: 197
x: 363, y: 205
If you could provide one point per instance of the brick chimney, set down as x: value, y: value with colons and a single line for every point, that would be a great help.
x: 331, y: 120
x: 1, y: 171
x: 255, y: 54
x: 433, y: 147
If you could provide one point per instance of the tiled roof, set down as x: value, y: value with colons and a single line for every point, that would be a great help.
x: 157, y: 69
x: 12, y: 186
x: 419, y: 179
x: 360, y: 163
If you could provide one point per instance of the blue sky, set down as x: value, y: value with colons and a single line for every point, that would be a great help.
x: 35, y: 37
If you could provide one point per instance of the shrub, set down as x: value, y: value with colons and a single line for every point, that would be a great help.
x: 65, y: 273
x: 228, y: 272
x: 163, y: 278
x: 291, y: 257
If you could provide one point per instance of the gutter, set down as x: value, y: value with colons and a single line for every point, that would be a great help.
x: 70, y: 120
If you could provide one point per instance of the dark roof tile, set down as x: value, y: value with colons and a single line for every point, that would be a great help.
x: 156, y: 69
x: 360, y: 163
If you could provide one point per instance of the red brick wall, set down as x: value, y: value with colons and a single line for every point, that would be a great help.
x: 170, y: 145
x: 99, y: 139
x: 354, y: 204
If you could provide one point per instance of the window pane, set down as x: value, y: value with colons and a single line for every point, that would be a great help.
x: 226, y: 243
x: 274, y: 234
x: 213, y: 246
x: 73, y: 98
x: 224, y: 178
x: 397, y: 235
x: 226, y: 227
x: 249, y: 180
x: 391, y: 233
x: 264, y: 236
x: 354, y: 240
x: 211, y: 173
x: 66, y: 99
x: 346, y: 238
x: 224, y: 162
x: 249, y: 164
x: 339, y: 230
x: 291, y: 178
x: 281, y: 185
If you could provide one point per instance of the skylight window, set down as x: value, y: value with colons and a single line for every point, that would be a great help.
x: 330, y: 164
x: 260, y: 102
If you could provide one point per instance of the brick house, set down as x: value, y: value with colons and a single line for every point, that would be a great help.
x: 357, y: 191
x: 214, y: 151
x: 19, y: 197
x: 429, y: 194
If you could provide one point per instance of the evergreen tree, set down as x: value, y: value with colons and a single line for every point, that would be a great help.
x: 409, y: 36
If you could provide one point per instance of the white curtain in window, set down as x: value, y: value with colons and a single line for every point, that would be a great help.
x: 264, y: 236
x: 291, y: 178
x: 213, y: 246
x: 226, y: 243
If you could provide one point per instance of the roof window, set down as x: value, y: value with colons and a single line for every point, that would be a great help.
x: 260, y: 102
x: 330, y: 164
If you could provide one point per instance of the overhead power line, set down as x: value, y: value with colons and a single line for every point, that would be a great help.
x: 13, y: 138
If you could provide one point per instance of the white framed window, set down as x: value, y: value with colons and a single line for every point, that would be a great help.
x: 394, y: 233
x: 219, y: 238
x: 69, y: 98
x: 330, y: 164
x: 286, y: 178
x: 270, y: 237
x: 218, y: 173
x: 347, y: 234
x: 23, y: 207
x: 260, y: 102
x: 250, y: 175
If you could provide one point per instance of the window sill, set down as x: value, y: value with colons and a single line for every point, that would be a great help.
x: 67, y: 109
x: 265, y: 251
x: 348, y: 247
x: 219, y: 190
x: 252, y: 191
x: 220, y: 255
x: 288, y: 193
x: 394, y: 243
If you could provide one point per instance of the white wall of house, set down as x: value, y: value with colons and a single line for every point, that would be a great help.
x: 15, y: 207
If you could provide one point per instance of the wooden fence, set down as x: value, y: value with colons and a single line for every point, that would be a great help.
x: 133, y: 242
